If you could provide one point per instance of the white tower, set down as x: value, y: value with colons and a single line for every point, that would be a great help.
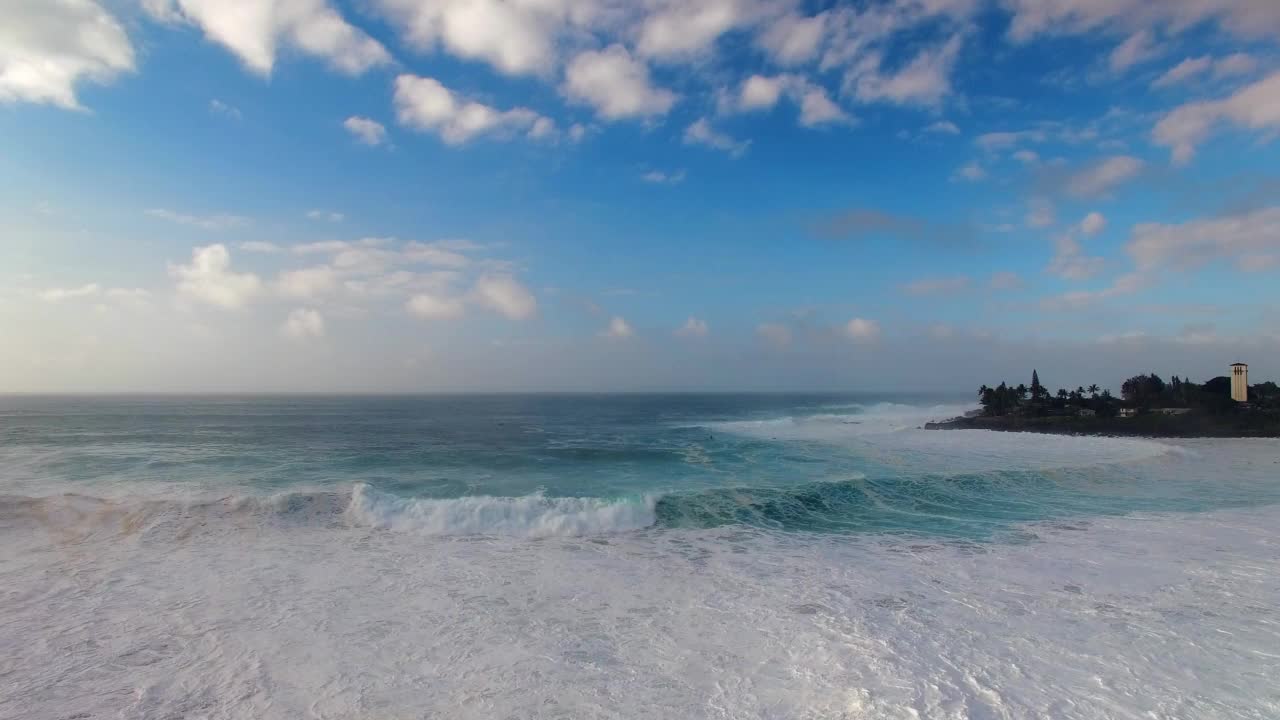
x: 1240, y: 382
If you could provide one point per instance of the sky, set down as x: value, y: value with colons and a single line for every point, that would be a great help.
x: 595, y: 195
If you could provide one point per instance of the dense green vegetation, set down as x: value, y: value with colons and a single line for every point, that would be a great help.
x: 1142, y: 393
x: 1147, y: 406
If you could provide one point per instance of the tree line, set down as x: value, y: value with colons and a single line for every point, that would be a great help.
x: 1141, y: 392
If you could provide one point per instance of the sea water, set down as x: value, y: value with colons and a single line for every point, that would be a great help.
x: 626, y: 556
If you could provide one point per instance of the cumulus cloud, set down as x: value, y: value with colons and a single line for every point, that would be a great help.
x: 256, y: 30
x: 1243, y: 238
x: 435, y: 307
x: 48, y: 48
x: 615, y: 84
x: 692, y: 328
x: 1070, y: 263
x: 943, y: 127
x: 701, y: 133
x: 793, y: 39
x: 1218, y: 68
x: 208, y: 278
x: 303, y: 324
x: 515, y: 38
x: 862, y: 330
x: 1255, y: 107
x: 1040, y: 213
x: 307, y: 283
x: 760, y: 92
x: 424, y: 104
x: 618, y: 329
x: 369, y: 132
x: 973, y: 172
x: 680, y: 29
x: 1104, y: 176
x: 204, y: 222
x: 505, y: 295
x: 1093, y: 223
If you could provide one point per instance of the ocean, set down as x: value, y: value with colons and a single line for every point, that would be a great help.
x: 623, y: 556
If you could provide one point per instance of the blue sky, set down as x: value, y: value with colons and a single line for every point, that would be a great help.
x: 402, y: 195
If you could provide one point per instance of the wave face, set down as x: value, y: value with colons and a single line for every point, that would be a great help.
x: 532, y: 516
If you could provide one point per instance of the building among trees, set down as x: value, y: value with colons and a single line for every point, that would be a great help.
x: 1240, y: 382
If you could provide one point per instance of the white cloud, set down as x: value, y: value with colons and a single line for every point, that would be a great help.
x: 1255, y: 107
x: 369, y: 132
x: 937, y: 286
x: 218, y: 107
x: 1138, y: 48
x: 326, y: 215
x: 658, y: 177
x: 516, y: 37
x: 424, y: 104
x: 701, y: 133
x: 793, y: 39
x: 204, y: 222
x: 443, y: 254
x: 1070, y: 263
x: 255, y: 30
x: 1184, y: 70
x: 307, y: 283
x: 505, y: 295
x: 774, y: 334
x: 615, y: 84
x: 1246, y: 18
x: 47, y: 48
x: 1233, y: 65
x: 943, y: 127
x: 862, y: 330
x: 1026, y: 157
x: 1104, y: 176
x: 60, y: 294
x: 692, y: 328
x: 258, y: 246
x: 1122, y: 285
x: 924, y: 81
x: 995, y: 141
x: 209, y: 279
x: 618, y: 329
x: 577, y: 132
x: 1242, y: 238
x: 681, y: 29
x: 303, y: 324
x: 816, y: 108
x: 1093, y: 224
x: 435, y: 307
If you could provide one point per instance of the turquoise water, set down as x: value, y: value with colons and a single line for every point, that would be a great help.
x: 635, y: 556
x: 824, y: 463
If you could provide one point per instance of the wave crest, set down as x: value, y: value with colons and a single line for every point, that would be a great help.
x: 530, y: 516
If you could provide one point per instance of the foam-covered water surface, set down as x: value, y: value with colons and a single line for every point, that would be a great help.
x: 670, y: 557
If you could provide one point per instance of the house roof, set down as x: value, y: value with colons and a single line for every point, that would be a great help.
x: 1239, y: 364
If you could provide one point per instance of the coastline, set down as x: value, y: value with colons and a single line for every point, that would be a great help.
x: 1251, y: 425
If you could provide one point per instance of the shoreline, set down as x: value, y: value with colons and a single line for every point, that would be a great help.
x: 1145, y: 426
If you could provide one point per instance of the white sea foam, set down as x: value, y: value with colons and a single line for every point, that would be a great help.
x: 892, y: 434
x: 532, y: 516
x: 1147, y: 616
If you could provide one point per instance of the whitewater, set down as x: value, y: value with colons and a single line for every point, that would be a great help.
x: 624, y: 557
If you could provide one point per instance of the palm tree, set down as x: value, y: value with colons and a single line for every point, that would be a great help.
x: 1093, y: 390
